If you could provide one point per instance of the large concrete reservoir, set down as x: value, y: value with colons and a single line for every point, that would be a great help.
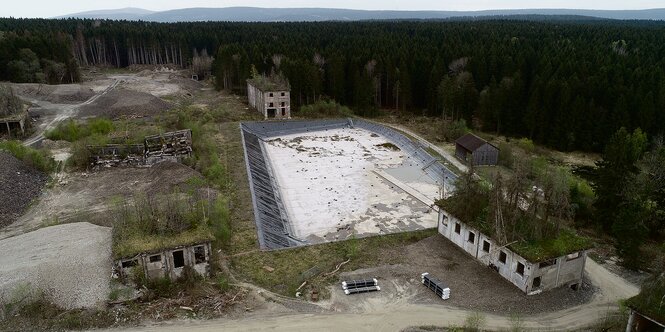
x: 321, y: 181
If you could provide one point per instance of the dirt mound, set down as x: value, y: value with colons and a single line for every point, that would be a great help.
x: 21, y: 184
x: 69, y: 264
x: 121, y: 103
x: 56, y: 94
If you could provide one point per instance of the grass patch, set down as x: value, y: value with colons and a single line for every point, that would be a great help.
x: 73, y: 131
x: 565, y: 243
x: 293, y: 266
x: 39, y: 159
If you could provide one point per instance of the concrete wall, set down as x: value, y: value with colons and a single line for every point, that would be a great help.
x: 163, y: 264
x: 562, y: 271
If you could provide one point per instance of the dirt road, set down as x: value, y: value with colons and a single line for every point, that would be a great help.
x: 65, y: 112
x: 399, y: 316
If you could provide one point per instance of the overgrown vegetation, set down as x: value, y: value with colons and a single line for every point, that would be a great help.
x: 630, y: 185
x: 324, y: 109
x: 72, y: 130
x: 532, y: 220
x: 650, y: 299
x: 29, y: 310
x: 151, y: 223
x: 39, y: 159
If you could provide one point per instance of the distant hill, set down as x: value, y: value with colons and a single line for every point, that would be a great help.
x: 128, y: 13
x: 254, y: 14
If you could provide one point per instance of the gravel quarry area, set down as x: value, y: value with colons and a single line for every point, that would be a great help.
x: 20, y: 184
x: 124, y: 103
x: 68, y: 263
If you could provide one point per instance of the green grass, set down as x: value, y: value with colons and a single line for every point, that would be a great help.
x: 537, y: 251
x: 73, y: 131
x: 39, y: 159
x: 290, y: 265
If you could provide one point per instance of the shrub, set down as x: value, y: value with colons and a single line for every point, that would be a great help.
x: 526, y: 144
x: 324, y: 109
x: 222, y: 283
x: 39, y: 159
x: 455, y: 130
x: 73, y: 131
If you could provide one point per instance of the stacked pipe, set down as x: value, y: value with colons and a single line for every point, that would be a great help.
x: 360, y: 286
x: 439, y: 288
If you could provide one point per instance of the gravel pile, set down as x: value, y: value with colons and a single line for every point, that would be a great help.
x: 20, y: 184
x: 70, y: 264
x: 121, y: 103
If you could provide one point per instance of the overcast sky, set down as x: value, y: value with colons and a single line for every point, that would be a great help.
x: 50, y: 8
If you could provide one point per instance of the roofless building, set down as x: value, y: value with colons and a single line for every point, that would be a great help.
x: 270, y: 96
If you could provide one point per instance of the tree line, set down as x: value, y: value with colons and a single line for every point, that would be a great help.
x: 564, y: 84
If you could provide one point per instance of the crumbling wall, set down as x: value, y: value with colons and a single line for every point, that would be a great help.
x: 171, y: 146
x: 168, y: 146
x: 169, y: 263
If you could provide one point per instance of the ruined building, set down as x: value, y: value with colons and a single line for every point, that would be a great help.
x: 532, y: 277
x: 166, y: 263
x: 171, y: 146
x: 270, y: 96
x: 13, y: 115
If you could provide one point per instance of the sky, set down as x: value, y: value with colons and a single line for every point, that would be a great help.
x: 51, y: 8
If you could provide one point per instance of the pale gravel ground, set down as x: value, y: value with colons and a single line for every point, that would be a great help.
x: 69, y: 263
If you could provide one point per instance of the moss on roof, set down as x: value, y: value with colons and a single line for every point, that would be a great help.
x: 565, y: 243
x: 265, y: 83
x: 649, y: 301
x: 140, y: 243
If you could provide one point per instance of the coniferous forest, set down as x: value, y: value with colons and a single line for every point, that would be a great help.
x: 565, y: 84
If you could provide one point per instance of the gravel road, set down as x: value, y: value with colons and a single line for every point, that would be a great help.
x: 69, y: 263
x: 399, y: 317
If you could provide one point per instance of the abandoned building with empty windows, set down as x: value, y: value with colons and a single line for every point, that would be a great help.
x: 271, y: 96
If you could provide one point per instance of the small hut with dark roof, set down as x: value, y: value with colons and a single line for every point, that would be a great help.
x: 476, y: 151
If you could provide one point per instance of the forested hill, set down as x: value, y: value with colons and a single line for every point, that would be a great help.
x: 563, y: 84
x: 254, y: 14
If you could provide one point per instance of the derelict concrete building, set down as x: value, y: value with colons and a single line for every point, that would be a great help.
x: 530, y: 277
x: 270, y: 96
x: 167, y: 263
x: 476, y: 151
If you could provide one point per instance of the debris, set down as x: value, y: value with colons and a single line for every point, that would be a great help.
x: 301, y: 286
x: 337, y: 268
x: 268, y: 268
x: 186, y: 308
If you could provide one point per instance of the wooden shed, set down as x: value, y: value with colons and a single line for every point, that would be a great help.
x: 476, y: 151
